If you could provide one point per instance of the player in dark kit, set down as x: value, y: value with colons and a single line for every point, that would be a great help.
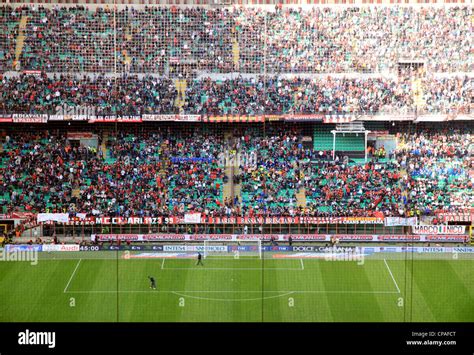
x: 152, y: 282
x: 199, y: 262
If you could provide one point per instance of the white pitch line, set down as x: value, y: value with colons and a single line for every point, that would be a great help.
x: 163, y: 264
x: 232, y: 268
x: 237, y: 291
x: 302, y: 265
x: 393, y: 278
x: 72, y: 276
x: 231, y: 299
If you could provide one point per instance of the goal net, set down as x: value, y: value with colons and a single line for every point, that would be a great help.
x: 235, y: 249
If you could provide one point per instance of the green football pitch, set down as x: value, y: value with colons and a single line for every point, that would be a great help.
x: 105, y: 287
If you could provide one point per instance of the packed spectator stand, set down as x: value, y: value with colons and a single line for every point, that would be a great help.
x: 238, y: 39
x: 149, y: 95
x: 233, y: 61
x: 173, y: 171
x: 349, y: 61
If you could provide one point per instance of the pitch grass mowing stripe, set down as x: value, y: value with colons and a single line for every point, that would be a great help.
x: 277, y: 308
x: 148, y: 305
x: 321, y: 304
x: 443, y: 304
x: 304, y: 305
x: 98, y: 274
x: 409, y: 291
x: 229, y: 264
x: 359, y: 307
x: 392, y: 306
x: 135, y: 306
x: 464, y: 272
x: 42, y: 290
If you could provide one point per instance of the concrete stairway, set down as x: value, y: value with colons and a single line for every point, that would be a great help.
x: 20, y: 41
x: 235, y: 53
x: 181, y: 86
x: 103, y: 146
x: 301, y: 197
x: 228, y: 187
x: 76, y: 193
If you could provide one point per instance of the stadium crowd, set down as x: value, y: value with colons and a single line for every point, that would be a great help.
x: 131, y: 95
x: 170, y: 172
x: 250, y: 40
x: 43, y: 172
x: 438, y: 166
x: 126, y: 95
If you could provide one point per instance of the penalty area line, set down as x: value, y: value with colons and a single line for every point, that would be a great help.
x: 236, y: 291
x: 72, y: 275
x: 393, y: 278
x: 233, y: 268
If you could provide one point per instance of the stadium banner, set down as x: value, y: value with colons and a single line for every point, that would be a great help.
x: 464, y: 117
x: 21, y: 215
x: 10, y: 248
x: 176, y: 160
x: 118, y: 220
x: 61, y: 247
x: 319, y: 249
x: 79, y: 135
x: 467, y: 215
x: 5, y: 118
x: 32, y: 72
x: 253, y: 220
x: 439, y: 229
x: 29, y: 118
x: 56, y: 217
x: 339, y: 118
x: 192, y: 218
x: 68, y: 117
x: 400, y: 221
x: 343, y: 220
x: 232, y: 118
x: 113, y: 118
x: 303, y: 118
x: 120, y: 247
x: 294, y: 220
x: 171, y: 118
x: 137, y: 237
x: 264, y: 248
x: 273, y: 118
x: 387, y: 117
x: 459, y: 250
x: 186, y: 248
x: 228, y: 220
x: 280, y: 237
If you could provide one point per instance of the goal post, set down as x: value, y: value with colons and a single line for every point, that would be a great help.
x: 236, y: 248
